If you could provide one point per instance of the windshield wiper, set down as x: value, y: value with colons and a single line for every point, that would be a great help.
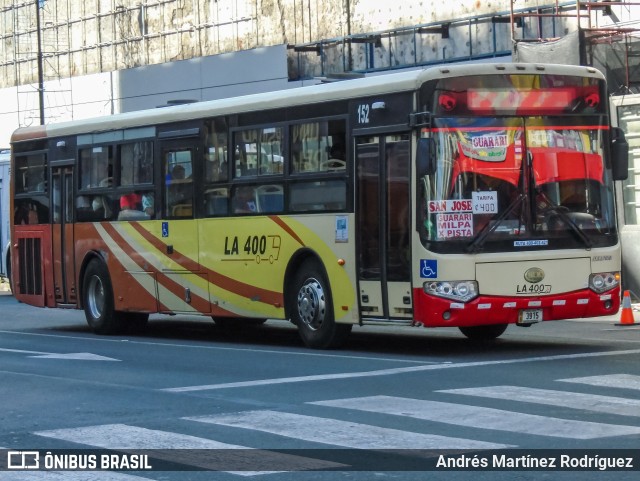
x: 560, y: 211
x: 480, y: 239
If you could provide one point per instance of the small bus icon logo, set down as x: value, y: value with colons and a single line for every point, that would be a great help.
x: 23, y: 460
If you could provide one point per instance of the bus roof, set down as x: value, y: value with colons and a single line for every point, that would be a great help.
x: 369, y: 86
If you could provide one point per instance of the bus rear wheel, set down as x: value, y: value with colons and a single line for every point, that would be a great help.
x: 97, y: 297
x: 484, y: 333
x: 311, y: 309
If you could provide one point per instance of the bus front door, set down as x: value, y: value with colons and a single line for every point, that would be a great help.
x: 383, y: 227
x: 62, y: 238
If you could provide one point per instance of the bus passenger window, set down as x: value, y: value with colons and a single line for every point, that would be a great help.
x: 319, y: 147
x: 217, y: 201
x: 216, y: 150
x: 258, y: 152
x: 96, y: 167
x: 270, y: 198
x: 318, y: 196
x: 178, y: 193
x: 136, y: 163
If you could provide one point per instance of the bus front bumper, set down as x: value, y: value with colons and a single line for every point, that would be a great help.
x: 432, y: 311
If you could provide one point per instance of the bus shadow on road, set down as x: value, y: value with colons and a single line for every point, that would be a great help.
x: 404, y: 341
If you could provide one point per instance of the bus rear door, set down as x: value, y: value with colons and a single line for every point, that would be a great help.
x: 383, y: 227
x: 184, y: 289
x: 62, y: 236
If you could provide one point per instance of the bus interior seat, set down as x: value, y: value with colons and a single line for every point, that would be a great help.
x: 270, y: 198
x: 333, y: 164
x: 217, y: 201
x: 182, y: 210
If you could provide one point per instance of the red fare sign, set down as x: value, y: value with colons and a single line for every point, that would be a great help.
x: 464, y: 205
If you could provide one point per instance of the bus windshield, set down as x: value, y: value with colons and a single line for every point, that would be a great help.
x: 517, y: 183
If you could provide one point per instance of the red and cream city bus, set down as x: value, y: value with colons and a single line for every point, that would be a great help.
x: 472, y: 196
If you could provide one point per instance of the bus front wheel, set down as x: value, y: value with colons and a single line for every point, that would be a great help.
x: 311, y: 309
x: 484, y: 333
x: 97, y: 296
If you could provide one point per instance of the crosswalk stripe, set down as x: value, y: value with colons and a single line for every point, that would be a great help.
x: 572, y: 400
x: 340, y: 433
x: 482, y: 417
x: 623, y: 381
x: 125, y: 437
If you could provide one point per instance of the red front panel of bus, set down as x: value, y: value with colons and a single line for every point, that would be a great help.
x: 434, y: 311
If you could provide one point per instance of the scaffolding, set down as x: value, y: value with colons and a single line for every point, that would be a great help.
x: 599, y: 38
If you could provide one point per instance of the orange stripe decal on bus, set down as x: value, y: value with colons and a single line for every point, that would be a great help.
x: 286, y: 228
x: 183, y: 261
x: 172, y: 286
x: 248, y: 291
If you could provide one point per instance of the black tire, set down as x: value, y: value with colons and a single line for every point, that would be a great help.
x: 484, y: 333
x: 311, y: 308
x: 97, y: 299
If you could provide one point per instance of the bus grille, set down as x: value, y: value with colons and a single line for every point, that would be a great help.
x: 30, y: 262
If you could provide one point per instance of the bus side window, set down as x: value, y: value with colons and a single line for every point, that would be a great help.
x: 178, y: 184
x: 217, y: 201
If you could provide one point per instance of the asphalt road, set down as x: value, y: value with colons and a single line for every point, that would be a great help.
x: 253, y: 401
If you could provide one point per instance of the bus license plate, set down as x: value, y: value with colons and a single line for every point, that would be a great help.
x: 530, y: 316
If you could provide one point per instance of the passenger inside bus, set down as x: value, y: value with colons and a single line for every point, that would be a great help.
x: 244, y: 200
x: 101, y: 209
x: 148, y: 204
x: 179, y: 194
x: 131, y: 207
x: 132, y: 201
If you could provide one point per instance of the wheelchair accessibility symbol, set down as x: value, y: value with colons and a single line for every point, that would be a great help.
x: 428, y: 268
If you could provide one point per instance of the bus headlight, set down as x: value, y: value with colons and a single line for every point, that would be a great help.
x: 463, y: 291
x: 604, y: 281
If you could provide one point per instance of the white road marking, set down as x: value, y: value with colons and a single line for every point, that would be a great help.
x: 339, y: 433
x: 79, y: 356
x: 570, y: 400
x: 125, y: 437
x: 482, y: 417
x: 622, y: 381
x: 216, y: 348
x: 393, y: 371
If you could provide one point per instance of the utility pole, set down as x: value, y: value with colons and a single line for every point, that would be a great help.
x: 350, y: 61
x: 40, y: 72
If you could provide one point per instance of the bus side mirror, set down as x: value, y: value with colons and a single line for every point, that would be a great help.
x: 619, y: 154
x: 425, y: 158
